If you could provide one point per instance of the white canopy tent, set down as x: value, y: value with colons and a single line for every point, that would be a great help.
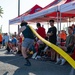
x: 68, y: 7
x: 68, y: 10
x: 44, y: 12
x: 32, y: 16
x: 43, y: 15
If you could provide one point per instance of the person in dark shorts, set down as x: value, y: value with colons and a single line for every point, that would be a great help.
x: 52, y: 35
x: 28, y: 40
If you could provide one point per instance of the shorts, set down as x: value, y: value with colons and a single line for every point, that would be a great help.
x: 27, y: 42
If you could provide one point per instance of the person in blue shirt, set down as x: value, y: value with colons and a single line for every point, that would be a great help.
x: 14, y: 43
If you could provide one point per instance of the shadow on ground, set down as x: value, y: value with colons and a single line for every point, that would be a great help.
x: 16, y: 67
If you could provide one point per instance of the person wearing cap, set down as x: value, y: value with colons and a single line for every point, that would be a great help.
x: 28, y: 40
x: 52, y: 35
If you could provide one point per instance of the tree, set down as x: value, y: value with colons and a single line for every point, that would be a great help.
x: 1, y: 11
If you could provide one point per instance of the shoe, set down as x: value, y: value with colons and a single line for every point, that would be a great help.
x: 63, y: 62
x: 34, y: 55
x: 37, y: 57
x: 58, y: 61
x: 15, y: 52
x: 28, y: 64
x: 11, y: 51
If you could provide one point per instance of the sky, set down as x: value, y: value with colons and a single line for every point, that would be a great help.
x: 10, y: 10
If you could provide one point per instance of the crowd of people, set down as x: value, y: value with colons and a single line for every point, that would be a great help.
x: 11, y: 43
x: 28, y: 45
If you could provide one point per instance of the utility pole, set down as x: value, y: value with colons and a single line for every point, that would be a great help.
x: 1, y: 29
x: 18, y: 11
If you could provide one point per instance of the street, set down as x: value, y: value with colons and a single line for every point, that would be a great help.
x: 11, y: 64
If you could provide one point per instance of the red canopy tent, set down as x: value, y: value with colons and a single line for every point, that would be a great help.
x: 51, y: 4
x: 34, y: 9
x: 68, y: 8
x: 58, y: 3
x: 44, y: 17
x: 53, y: 15
x: 45, y: 14
x: 31, y: 11
x: 18, y: 19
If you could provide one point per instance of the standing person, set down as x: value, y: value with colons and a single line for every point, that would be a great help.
x: 52, y: 37
x: 28, y: 40
x: 6, y: 38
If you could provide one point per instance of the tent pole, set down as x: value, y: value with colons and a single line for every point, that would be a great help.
x: 60, y: 19
x: 69, y: 22
x: 57, y: 20
x: 9, y: 30
x: 48, y: 25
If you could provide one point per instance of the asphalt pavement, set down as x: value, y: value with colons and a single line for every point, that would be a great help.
x: 11, y: 64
